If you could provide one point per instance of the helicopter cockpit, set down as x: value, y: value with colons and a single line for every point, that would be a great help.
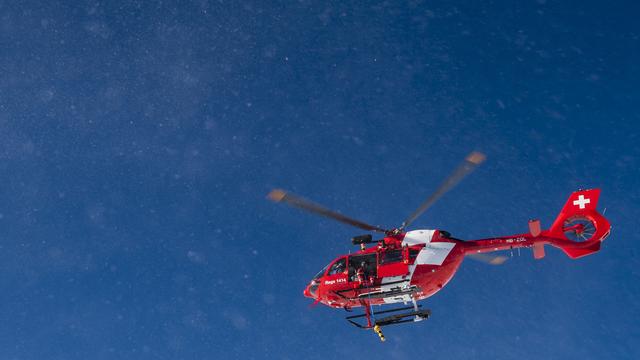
x: 365, y: 261
x: 338, y: 266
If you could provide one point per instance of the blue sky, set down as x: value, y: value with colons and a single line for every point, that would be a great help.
x: 138, y: 141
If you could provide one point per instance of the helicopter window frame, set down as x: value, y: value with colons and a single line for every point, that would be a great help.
x: 338, y: 267
x: 321, y: 272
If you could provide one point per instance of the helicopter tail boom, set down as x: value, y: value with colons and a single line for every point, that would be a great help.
x: 578, y: 231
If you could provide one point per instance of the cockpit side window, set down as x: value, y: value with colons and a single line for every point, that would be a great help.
x: 338, y: 267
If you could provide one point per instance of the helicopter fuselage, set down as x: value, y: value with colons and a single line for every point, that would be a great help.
x: 404, y: 267
x: 414, y: 265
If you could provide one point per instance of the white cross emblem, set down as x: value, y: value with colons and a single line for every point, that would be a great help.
x: 581, y: 201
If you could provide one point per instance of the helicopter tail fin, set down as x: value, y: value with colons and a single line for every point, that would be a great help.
x: 579, y: 229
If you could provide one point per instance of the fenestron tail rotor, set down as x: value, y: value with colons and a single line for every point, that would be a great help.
x: 278, y: 195
x: 469, y: 164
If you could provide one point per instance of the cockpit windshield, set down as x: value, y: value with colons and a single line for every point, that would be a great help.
x: 321, y: 273
x: 338, y: 267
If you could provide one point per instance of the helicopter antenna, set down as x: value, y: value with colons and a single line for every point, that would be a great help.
x: 468, y: 165
x: 278, y: 195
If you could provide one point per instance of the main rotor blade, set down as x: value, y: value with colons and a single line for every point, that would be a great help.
x: 278, y: 195
x: 468, y: 165
x: 488, y: 259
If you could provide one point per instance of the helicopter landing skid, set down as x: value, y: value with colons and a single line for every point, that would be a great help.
x: 416, y: 314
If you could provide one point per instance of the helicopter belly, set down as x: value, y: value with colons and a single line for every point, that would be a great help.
x: 435, y: 266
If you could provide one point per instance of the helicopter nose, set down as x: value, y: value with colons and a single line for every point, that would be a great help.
x: 311, y: 291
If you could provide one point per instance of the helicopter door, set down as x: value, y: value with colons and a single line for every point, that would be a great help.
x: 367, y: 262
x: 392, y: 263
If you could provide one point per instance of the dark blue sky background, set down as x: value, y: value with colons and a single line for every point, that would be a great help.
x: 138, y: 140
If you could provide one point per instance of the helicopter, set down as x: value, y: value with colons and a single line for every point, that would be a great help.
x: 406, y: 266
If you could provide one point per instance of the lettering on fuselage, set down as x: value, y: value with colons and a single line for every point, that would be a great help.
x: 518, y: 239
x: 331, y: 282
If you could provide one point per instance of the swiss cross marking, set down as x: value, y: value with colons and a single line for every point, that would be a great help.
x: 581, y: 202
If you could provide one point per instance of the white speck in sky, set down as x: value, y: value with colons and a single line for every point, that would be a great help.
x: 196, y: 257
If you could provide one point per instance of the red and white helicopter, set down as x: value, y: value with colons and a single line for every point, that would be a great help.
x: 408, y: 266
